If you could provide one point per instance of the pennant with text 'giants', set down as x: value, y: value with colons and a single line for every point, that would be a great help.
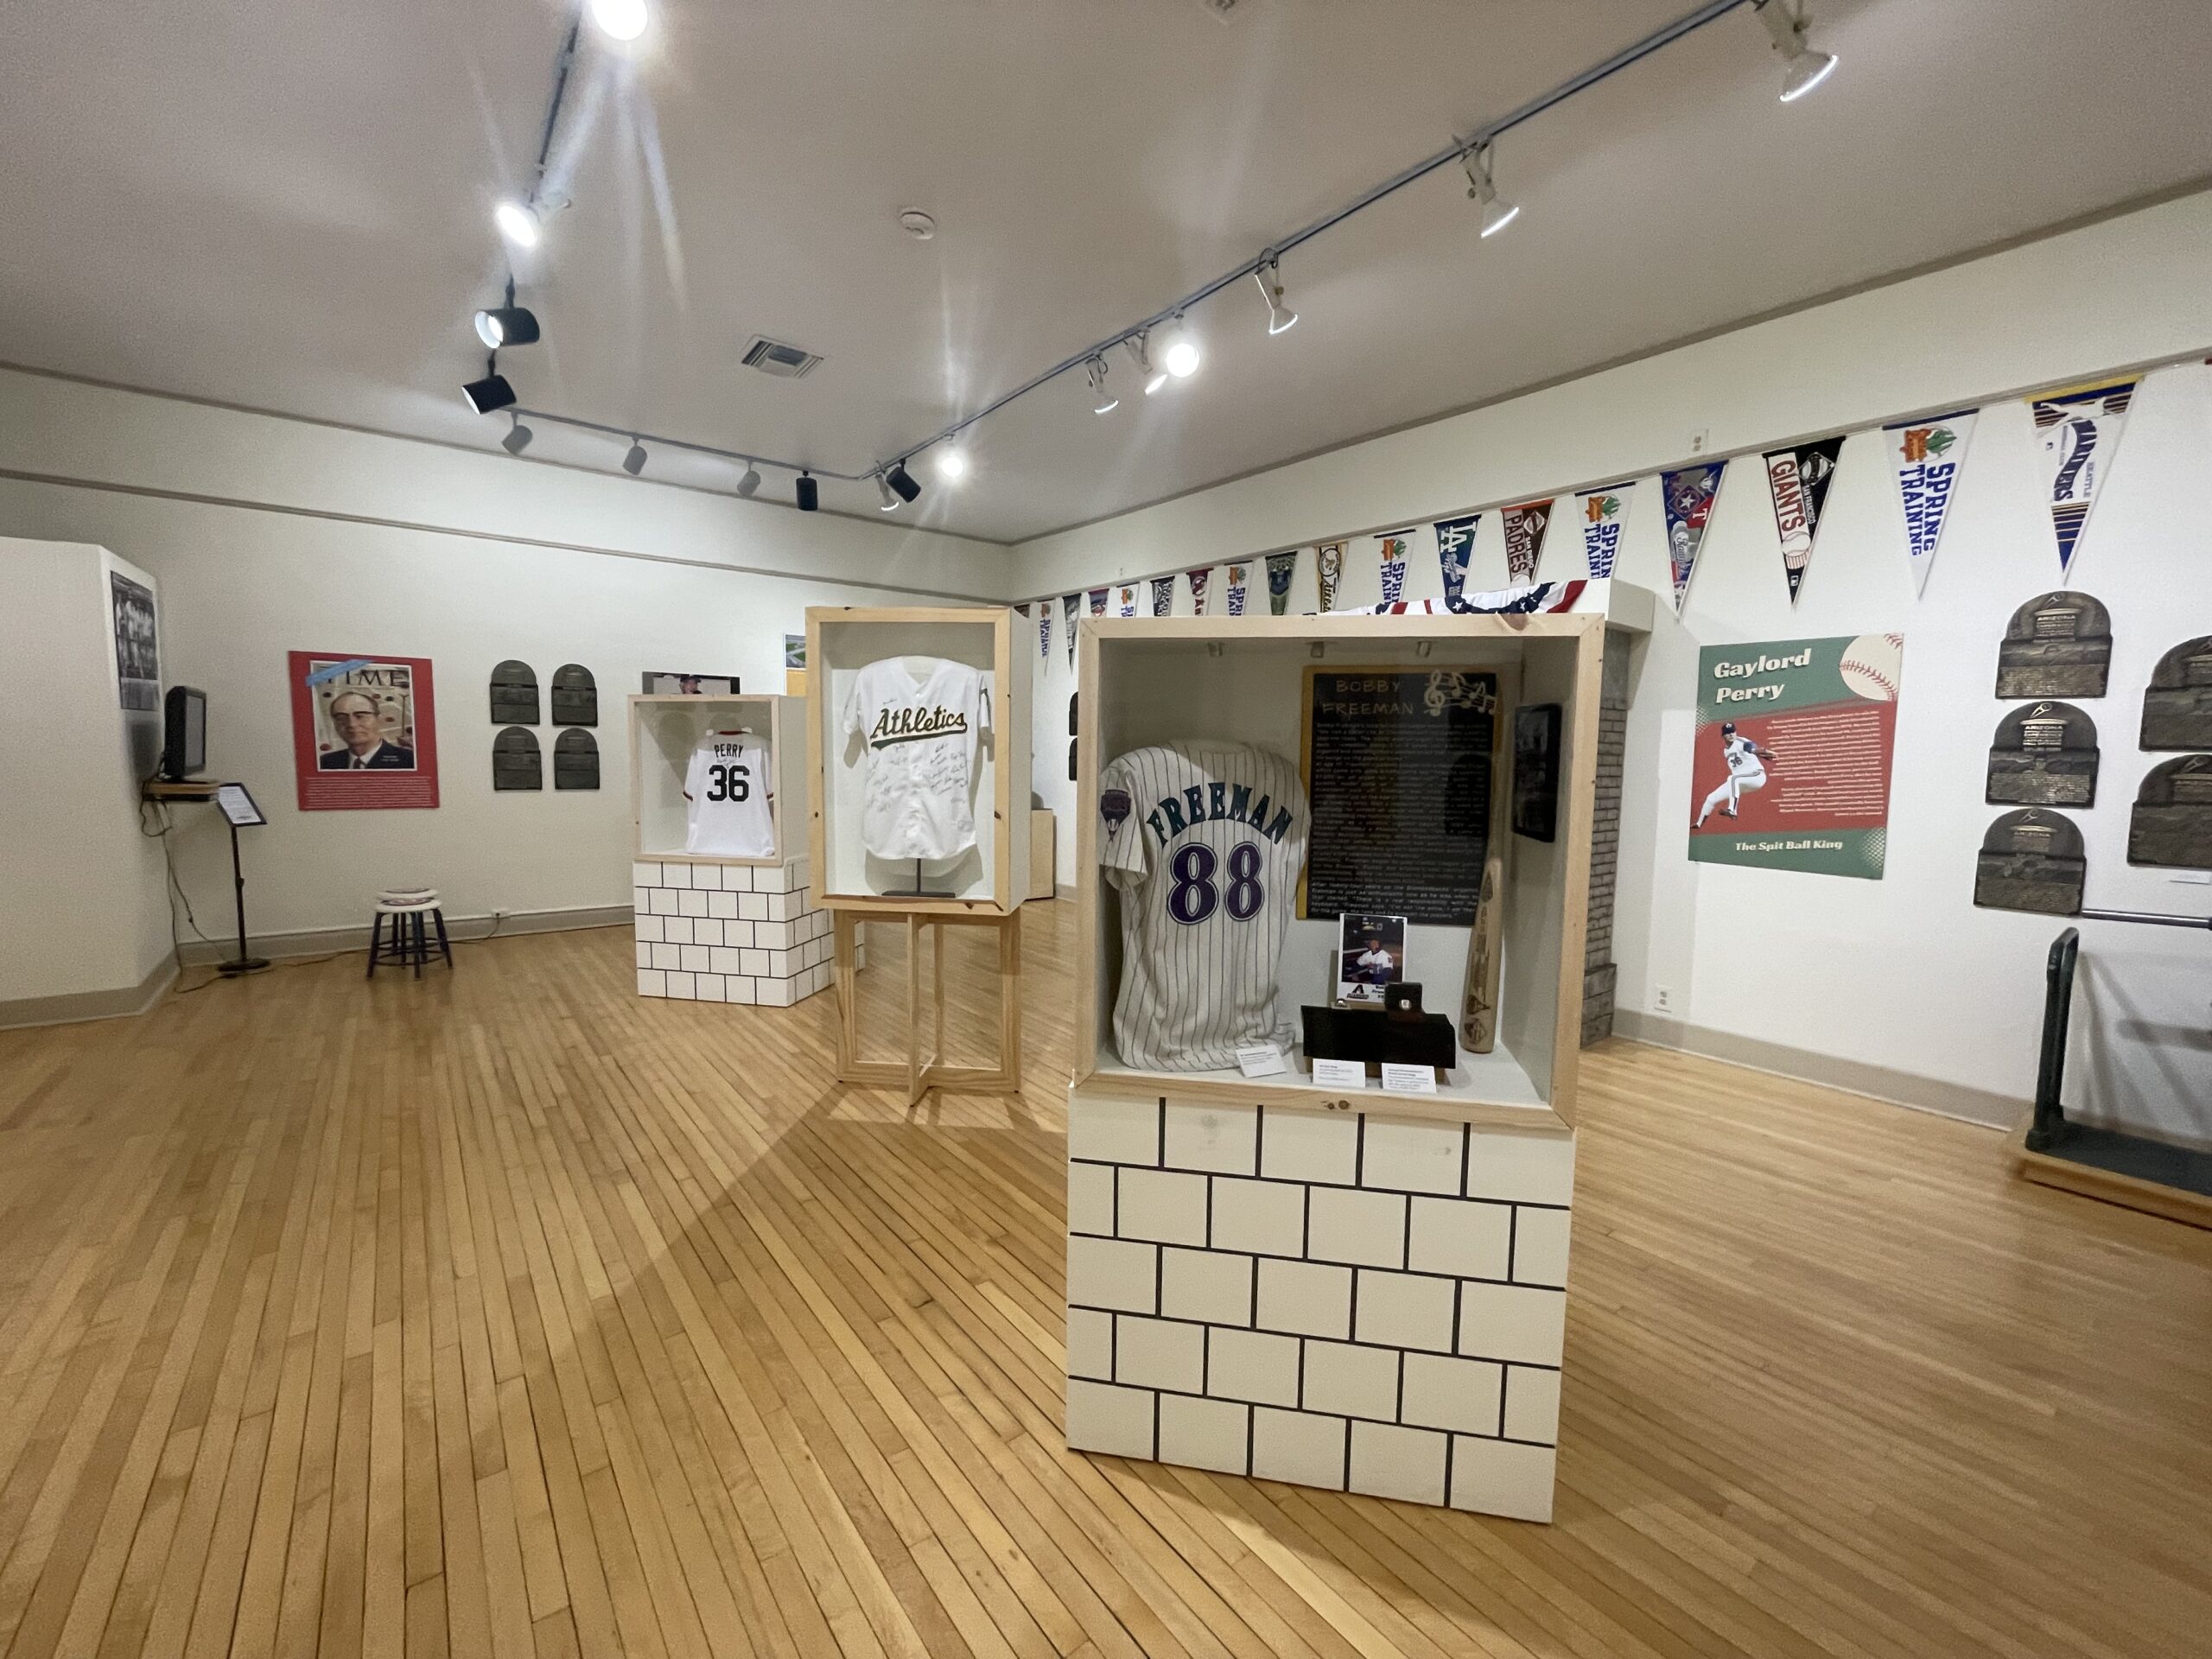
x: 1392, y: 554
x: 1455, y: 548
x: 1603, y: 514
x: 1328, y: 571
x: 1926, y: 456
x: 1163, y: 596
x: 1524, y: 538
x: 1069, y: 605
x: 1798, y: 479
x: 1237, y: 575
x: 2079, y: 430
x: 1688, y: 496
x: 1281, y: 568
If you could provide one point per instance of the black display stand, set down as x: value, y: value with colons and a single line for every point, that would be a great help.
x: 238, y: 809
x: 918, y: 891
x: 1379, y: 1038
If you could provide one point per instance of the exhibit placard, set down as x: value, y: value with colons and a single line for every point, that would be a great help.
x: 1791, y: 768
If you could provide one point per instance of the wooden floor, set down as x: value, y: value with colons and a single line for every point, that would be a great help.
x: 509, y: 1314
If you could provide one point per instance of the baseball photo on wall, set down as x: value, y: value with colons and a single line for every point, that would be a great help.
x: 363, y: 731
x: 1791, y: 768
x: 137, y: 661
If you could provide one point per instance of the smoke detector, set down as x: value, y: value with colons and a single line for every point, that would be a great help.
x: 917, y: 224
x: 773, y: 357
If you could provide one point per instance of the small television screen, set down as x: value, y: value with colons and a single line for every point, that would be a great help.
x: 184, y: 732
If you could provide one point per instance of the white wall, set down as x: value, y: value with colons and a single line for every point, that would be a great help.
x: 1905, y: 973
x: 270, y: 535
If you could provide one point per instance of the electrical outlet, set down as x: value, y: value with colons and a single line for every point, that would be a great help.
x: 1662, y: 999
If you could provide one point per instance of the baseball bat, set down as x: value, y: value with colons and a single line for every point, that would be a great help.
x: 1478, y: 1008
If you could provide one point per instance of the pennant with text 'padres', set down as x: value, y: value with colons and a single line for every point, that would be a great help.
x: 1069, y: 603
x: 1688, y: 496
x: 1455, y: 548
x: 1328, y: 571
x: 2078, y: 430
x: 1238, y: 575
x: 1524, y: 538
x: 1798, y: 479
x: 1926, y: 455
x: 1392, y: 553
x: 1281, y: 568
x: 1163, y: 596
x: 1603, y: 514
x: 1197, y: 580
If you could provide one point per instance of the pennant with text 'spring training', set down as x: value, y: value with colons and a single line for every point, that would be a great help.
x: 1238, y: 573
x: 1798, y: 479
x: 1069, y: 605
x: 1455, y: 548
x: 1603, y: 514
x: 1163, y: 596
x: 1328, y: 570
x: 2079, y: 430
x: 1524, y: 538
x: 1688, y: 496
x: 1281, y: 567
x: 1197, y: 580
x: 1128, y: 600
x: 1926, y: 456
x: 1393, y: 556
x: 1098, y: 601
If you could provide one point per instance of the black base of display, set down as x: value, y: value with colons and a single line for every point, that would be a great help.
x: 1378, y: 1038
x: 242, y: 965
x: 2117, y: 1153
x: 918, y: 891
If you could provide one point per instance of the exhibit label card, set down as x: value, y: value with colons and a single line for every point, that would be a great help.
x: 1340, y: 1074
x: 1262, y: 1060
x: 1792, y: 768
x: 1408, y: 1080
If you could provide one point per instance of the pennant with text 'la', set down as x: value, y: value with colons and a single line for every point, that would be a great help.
x: 1926, y: 455
x: 1688, y: 495
x: 1455, y: 550
x: 1604, y: 515
x: 2079, y: 430
x: 1524, y: 538
x: 1798, y: 479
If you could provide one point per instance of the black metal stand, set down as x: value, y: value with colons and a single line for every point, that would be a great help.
x: 243, y: 964
x: 917, y: 891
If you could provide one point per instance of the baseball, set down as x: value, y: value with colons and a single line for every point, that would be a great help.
x: 1873, y: 665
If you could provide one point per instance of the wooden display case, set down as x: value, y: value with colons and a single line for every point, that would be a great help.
x: 665, y: 730
x: 993, y: 876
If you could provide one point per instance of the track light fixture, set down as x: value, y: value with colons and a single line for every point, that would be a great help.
x: 1102, y: 402
x: 507, y: 325
x: 1497, y: 212
x: 491, y: 392
x: 891, y: 503
x: 1179, y: 348
x: 518, y: 438
x: 903, y: 481
x: 951, y: 464
x: 750, y: 482
x: 1802, y: 68
x: 809, y: 493
x: 1280, y: 317
x: 634, y: 462
x: 1140, y: 350
x: 620, y: 20
x: 517, y: 222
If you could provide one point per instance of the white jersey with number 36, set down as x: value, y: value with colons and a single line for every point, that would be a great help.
x: 729, y: 785
x: 1205, y: 842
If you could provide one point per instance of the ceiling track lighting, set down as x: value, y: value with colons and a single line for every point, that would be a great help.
x: 1802, y: 68
x: 951, y: 464
x: 750, y: 482
x: 1497, y: 212
x: 1102, y: 402
x: 903, y: 481
x: 491, y: 392
x: 809, y: 493
x: 634, y: 462
x: 1179, y: 348
x: 518, y: 438
x: 621, y: 20
x: 1139, y: 349
x: 891, y: 503
x: 1280, y: 317
x: 517, y: 222
x: 507, y: 325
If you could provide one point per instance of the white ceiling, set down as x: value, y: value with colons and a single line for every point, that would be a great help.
x: 288, y: 206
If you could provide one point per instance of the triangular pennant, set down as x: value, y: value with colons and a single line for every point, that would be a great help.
x: 1237, y: 574
x: 1392, y: 554
x: 1799, y: 480
x: 1328, y: 570
x: 1127, y: 605
x: 1603, y: 514
x: 1281, y: 567
x: 1524, y: 538
x: 1455, y: 547
x: 1163, y: 596
x: 1197, y: 580
x: 1044, y: 629
x: 1069, y: 603
x: 2079, y: 428
x: 1926, y: 455
x: 1098, y: 601
x: 1688, y: 496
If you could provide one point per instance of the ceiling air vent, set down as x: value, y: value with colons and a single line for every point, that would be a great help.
x: 773, y: 357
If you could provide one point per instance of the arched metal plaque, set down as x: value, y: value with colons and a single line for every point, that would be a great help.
x: 514, y: 695
x: 2172, y: 822
x: 2177, y: 707
x: 575, y: 759
x: 516, y: 763
x: 2032, y: 860
x: 575, y: 697
x: 2057, y: 645
x: 2045, y: 754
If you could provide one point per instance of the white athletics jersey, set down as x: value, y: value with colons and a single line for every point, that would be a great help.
x: 729, y: 783
x: 920, y: 718
x: 1205, y: 842
x: 1743, y: 758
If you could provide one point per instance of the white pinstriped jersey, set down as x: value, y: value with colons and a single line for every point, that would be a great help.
x: 1205, y: 842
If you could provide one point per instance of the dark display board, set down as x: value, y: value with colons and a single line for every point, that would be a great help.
x: 1399, y: 766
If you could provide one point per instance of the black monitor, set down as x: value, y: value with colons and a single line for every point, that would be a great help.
x: 184, y: 732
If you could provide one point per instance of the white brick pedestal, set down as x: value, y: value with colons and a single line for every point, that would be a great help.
x: 729, y: 932
x: 1360, y: 1301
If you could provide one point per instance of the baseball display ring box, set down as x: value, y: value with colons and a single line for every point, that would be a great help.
x: 1356, y: 1287
x: 919, y: 737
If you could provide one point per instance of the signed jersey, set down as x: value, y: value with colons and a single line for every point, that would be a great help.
x: 919, y: 717
x: 1205, y: 842
x: 729, y: 783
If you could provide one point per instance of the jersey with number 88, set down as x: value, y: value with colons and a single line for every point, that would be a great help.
x: 1204, y: 843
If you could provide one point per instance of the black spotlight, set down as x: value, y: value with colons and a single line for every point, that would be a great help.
x: 903, y: 481
x: 809, y: 493
x: 491, y: 392
x: 507, y: 325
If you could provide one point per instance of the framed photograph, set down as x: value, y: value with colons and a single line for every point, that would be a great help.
x: 659, y: 684
x: 364, y: 732
x: 137, y: 660
x: 1535, y: 771
x: 1370, y: 956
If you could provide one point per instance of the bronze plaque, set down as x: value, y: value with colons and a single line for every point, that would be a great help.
x: 575, y: 759
x: 2057, y: 645
x: 514, y: 695
x: 2177, y: 708
x: 2045, y: 754
x: 2172, y: 822
x: 575, y: 697
x: 516, y: 763
x: 2032, y: 860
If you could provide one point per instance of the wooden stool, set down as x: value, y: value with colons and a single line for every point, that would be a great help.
x: 409, y: 940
